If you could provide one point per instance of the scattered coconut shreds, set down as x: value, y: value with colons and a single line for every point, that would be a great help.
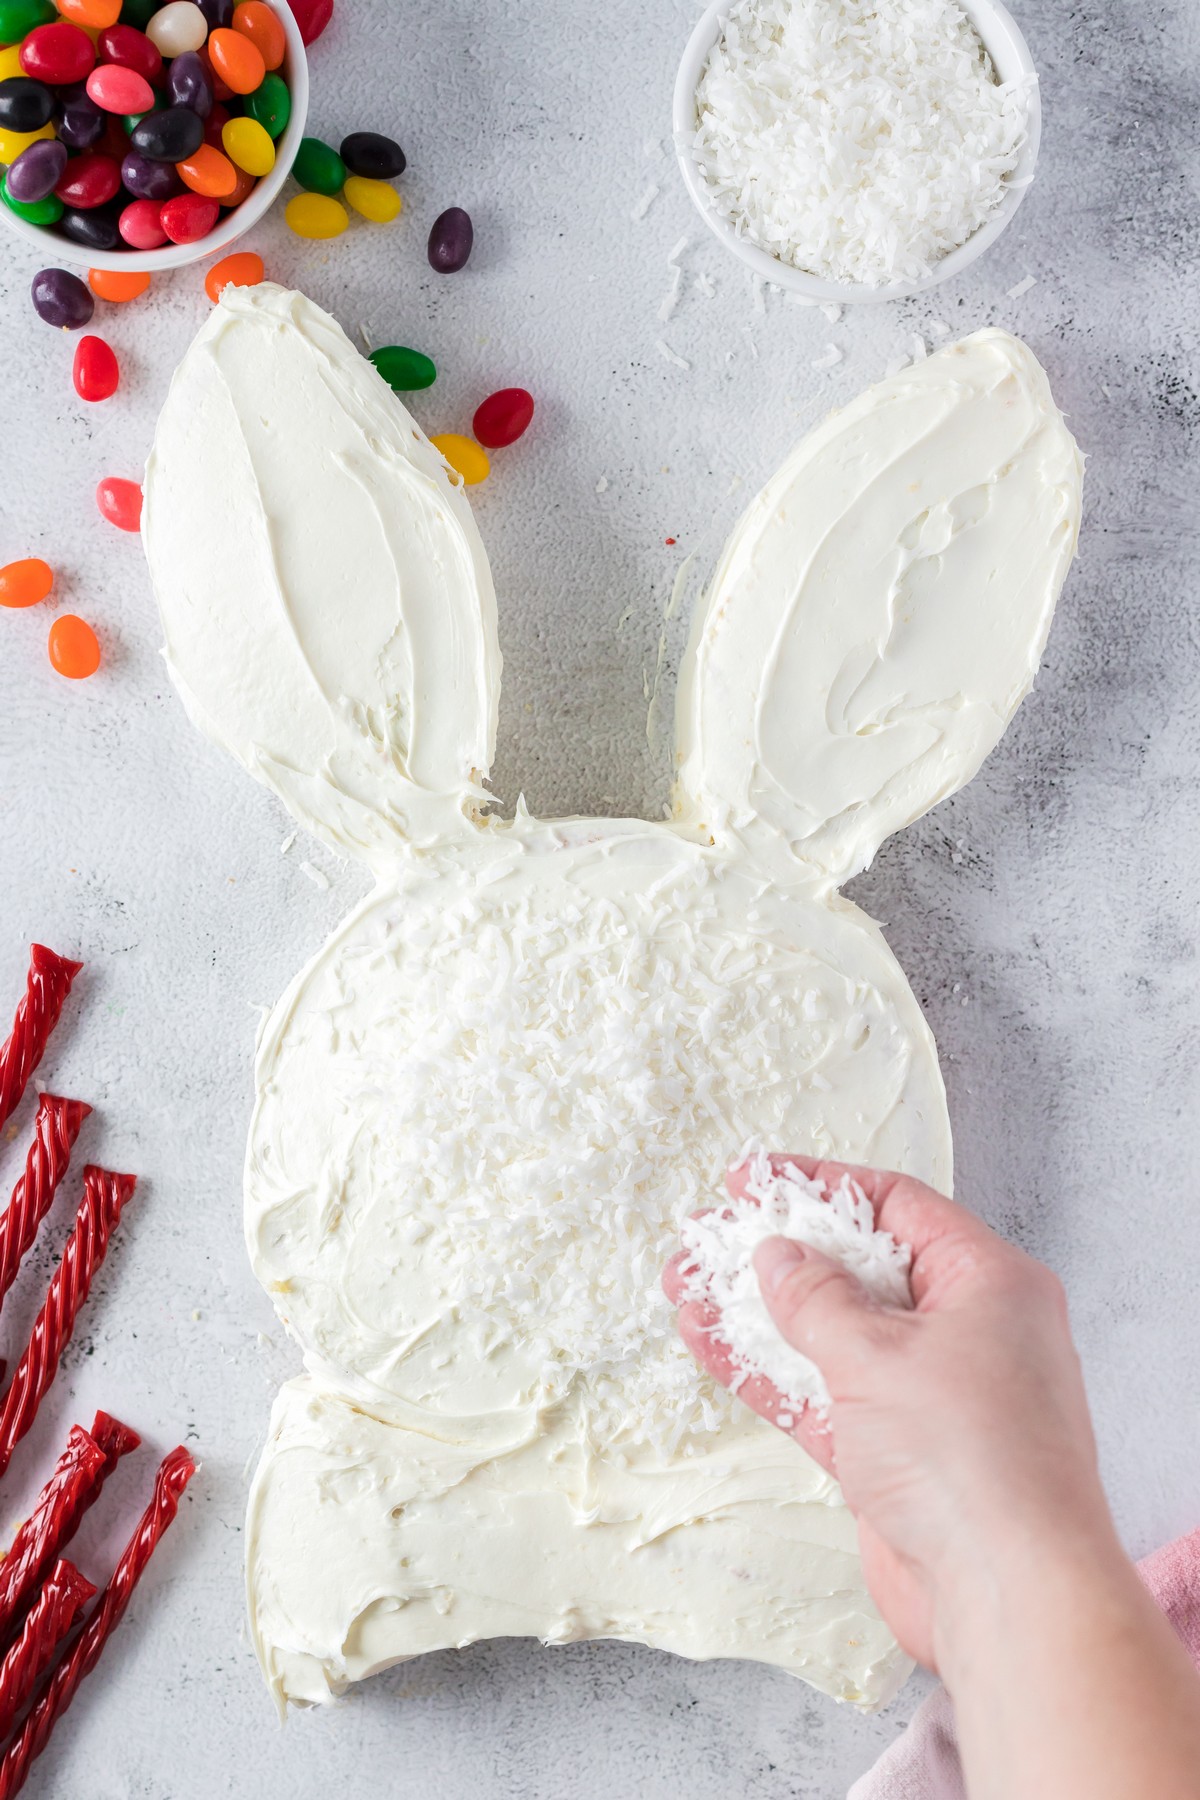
x: 678, y: 251
x: 832, y: 311
x: 938, y: 328
x: 1022, y: 288
x: 670, y: 299
x: 318, y: 877
x: 704, y: 285
x: 920, y: 350
x: 645, y: 202
x: 672, y: 356
x: 721, y: 1245
x: 287, y: 843
x: 829, y: 358
x: 861, y: 142
x: 602, y: 485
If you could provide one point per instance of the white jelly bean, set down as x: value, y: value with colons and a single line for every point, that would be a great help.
x: 177, y: 28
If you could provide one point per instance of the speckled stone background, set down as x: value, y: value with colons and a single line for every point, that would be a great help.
x: 1046, y: 916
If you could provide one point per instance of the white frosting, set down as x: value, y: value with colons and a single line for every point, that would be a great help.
x: 484, y: 1108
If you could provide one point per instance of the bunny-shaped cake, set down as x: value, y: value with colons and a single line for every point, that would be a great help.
x: 484, y: 1107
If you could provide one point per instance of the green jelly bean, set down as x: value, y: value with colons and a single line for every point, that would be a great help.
x: 318, y: 168
x: 36, y: 212
x: 139, y: 12
x: 270, y: 104
x: 129, y: 120
x: 404, y: 370
x: 20, y: 16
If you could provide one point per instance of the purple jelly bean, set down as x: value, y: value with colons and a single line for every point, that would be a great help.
x: 61, y: 299
x: 188, y: 83
x: 37, y: 171
x: 450, y: 241
x: 219, y: 13
x: 148, y: 180
x: 82, y: 123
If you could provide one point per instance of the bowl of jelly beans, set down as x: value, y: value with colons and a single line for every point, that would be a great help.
x: 146, y: 133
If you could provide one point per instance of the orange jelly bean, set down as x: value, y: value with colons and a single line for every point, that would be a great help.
x: 243, y: 269
x: 26, y: 582
x: 246, y: 185
x: 208, y: 172
x: 257, y: 22
x: 236, y: 60
x: 94, y: 15
x: 114, y: 284
x: 74, y: 647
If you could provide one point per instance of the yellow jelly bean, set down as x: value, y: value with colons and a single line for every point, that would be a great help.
x: 316, y: 216
x: 249, y: 145
x: 10, y: 62
x: 13, y: 142
x: 376, y: 200
x: 464, y: 456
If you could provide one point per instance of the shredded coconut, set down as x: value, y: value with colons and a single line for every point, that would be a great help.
x: 722, y: 1243
x: 861, y: 140
x: 671, y: 356
x: 1022, y: 288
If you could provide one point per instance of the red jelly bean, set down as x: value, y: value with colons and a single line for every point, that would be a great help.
x: 503, y: 417
x: 58, y: 53
x: 188, y: 217
x: 312, y: 16
x: 117, y: 90
x: 120, y: 502
x: 141, y: 226
x: 89, y: 180
x: 132, y: 49
x: 218, y: 117
x: 96, y: 371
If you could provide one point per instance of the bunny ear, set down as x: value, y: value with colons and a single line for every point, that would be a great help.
x: 881, y: 609
x: 327, y: 601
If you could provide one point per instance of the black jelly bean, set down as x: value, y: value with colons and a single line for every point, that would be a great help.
x: 168, y: 136
x: 25, y: 105
x: 96, y: 228
x: 368, y: 153
x: 61, y: 299
x: 219, y: 13
x: 189, y: 83
x: 450, y: 241
x: 148, y: 180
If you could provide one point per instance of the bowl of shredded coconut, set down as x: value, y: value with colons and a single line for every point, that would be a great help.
x: 857, y: 149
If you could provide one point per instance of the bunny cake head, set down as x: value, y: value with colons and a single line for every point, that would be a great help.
x: 485, y: 1106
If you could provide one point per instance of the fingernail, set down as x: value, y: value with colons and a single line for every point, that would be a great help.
x: 774, y: 1261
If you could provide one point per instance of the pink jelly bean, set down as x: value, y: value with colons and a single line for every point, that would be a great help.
x: 118, y: 90
x: 141, y: 226
x: 121, y: 502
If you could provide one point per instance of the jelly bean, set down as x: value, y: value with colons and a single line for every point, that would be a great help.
x: 257, y: 22
x: 25, y: 582
x: 37, y: 171
x: 373, y: 200
x: 503, y: 417
x: 316, y: 216
x: 215, y: 124
x: 216, y: 12
x: 249, y: 145
x: 139, y: 12
x: 93, y: 14
x: 17, y: 17
x: 61, y: 299
x: 312, y: 16
x: 243, y: 269
x: 318, y: 167
x: 464, y: 456
x: 189, y: 83
x: 58, y: 53
x: 271, y: 105
x: 74, y: 648
x: 369, y: 153
x: 450, y: 241
x: 130, y: 49
x: 96, y: 230
x: 35, y: 212
x: 404, y: 370
x: 89, y: 180
x: 95, y: 370
x: 168, y: 136
x: 178, y: 27
x: 25, y: 104
x: 141, y: 226
x: 245, y: 186
x: 221, y: 89
x: 118, y: 90
x: 82, y: 124
x: 208, y: 173
x: 13, y: 143
x: 10, y: 62
x: 148, y: 180
x: 236, y: 60
x: 121, y: 502
x: 117, y: 285
x: 188, y: 217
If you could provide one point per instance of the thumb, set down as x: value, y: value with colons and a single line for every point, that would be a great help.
x: 819, y: 1307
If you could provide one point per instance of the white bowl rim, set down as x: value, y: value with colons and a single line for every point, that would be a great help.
x: 1002, y: 39
x: 243, y: 218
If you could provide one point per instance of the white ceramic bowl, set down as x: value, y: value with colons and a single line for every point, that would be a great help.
x: 56, y: 249
x: 1011, y: 61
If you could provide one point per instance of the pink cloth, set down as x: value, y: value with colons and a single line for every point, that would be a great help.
x: 924, y: 1765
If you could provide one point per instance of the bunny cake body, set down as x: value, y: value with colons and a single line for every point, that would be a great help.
x: 484, y: 1107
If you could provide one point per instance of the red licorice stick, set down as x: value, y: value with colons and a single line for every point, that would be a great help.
x: 104, y: 1195
x: 51, y: 1617
x: 55, y: 1130
x: 46, y: 987
x: 60, y: 1504
x: 114, y: 1440
x: 174, y: 1473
